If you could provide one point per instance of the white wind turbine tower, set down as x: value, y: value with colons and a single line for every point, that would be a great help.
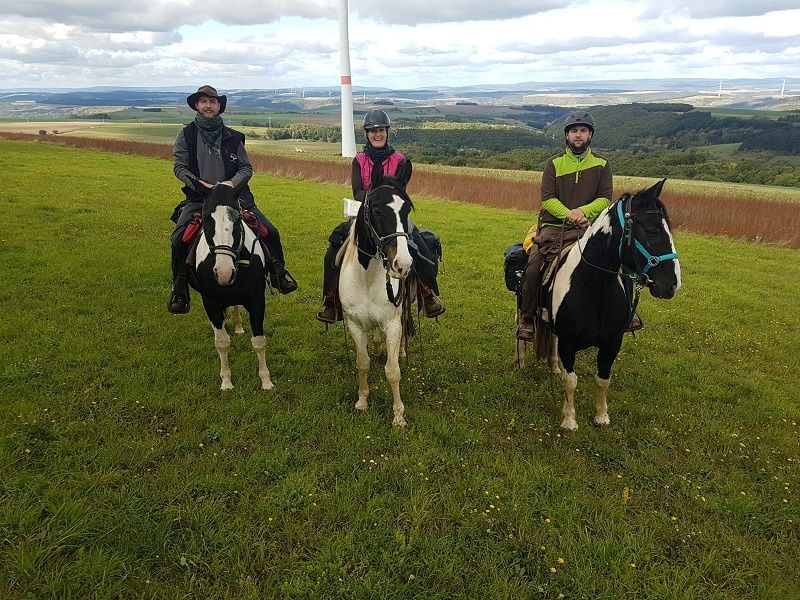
x: 783, y: 87
x: 348, y: 133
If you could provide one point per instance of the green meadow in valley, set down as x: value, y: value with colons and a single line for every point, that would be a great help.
x: 126, y: 473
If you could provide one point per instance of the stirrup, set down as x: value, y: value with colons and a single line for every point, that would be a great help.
x: 636, y: 323
x: 329, y: 315
x: 526, y: 331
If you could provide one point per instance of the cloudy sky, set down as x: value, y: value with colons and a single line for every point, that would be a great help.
x: 399, y: 44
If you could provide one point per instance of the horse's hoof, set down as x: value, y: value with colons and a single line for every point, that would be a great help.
x: 399, y: 421
x: 361, y: 404
x: 239, y: 331
x: 603, y: 421
x: 268, y: 386
x: 569, y: 425
x: 226, y: 385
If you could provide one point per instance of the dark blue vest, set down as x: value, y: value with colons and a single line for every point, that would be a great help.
x: 230, y: 144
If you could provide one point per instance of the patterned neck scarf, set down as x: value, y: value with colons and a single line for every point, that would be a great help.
x: 210, y: 132
x: 378, y: 154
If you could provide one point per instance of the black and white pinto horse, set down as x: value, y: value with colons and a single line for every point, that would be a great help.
x: 372, y: 282
x: 229, y: 271
x: 595, y: 290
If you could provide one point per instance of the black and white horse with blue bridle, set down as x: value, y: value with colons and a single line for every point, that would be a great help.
x: 230, y: 271
x: 596, y: 288
x: 372, y: 282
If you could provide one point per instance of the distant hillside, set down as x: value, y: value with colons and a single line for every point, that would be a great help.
x: 648, y: 127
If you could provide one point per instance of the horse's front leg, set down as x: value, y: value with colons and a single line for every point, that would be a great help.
x: 568, y: 408
x: 257, y: 308
x: 394, y: 336
x: 567, y: 357
x: 606, y: 355
x: 259, y: 343
x: 601, y: 402
x: 222, y: 342
x: 362, y: 362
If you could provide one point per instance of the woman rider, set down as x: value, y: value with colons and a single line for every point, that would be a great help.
x: 377, y: 149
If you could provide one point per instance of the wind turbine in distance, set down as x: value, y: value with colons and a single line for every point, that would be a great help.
x: 783, y: 87
x: 348, y: 133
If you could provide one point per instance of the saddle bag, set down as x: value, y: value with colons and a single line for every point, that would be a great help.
x: 433, y: 243
x: 192, y: 229
x: 257, y: 226
x: 515, y: 260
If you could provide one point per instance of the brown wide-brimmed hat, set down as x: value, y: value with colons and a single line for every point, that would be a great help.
x: 207, y: 90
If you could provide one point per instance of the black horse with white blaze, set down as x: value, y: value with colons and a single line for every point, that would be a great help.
x: 229, y: 271
x: 595, y: 290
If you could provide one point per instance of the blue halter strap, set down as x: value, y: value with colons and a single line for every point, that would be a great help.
x: 650, y: 260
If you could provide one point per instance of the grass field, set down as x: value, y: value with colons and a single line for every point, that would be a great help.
x: 126, y: 473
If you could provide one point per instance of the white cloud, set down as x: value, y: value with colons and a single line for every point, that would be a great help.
x: 416, y: 43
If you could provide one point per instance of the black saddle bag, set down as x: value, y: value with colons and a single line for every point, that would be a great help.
x: 514, y: 266
x: 433, y: 243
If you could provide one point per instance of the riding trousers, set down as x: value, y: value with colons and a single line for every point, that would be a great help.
x: 183, y: 216
x: 546, y: 246
x: 425, y: 264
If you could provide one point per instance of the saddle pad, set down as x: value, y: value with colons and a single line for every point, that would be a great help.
x: 552, y: 266
x: 254, y: 224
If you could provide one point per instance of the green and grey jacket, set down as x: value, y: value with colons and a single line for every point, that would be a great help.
x: 570, y: 181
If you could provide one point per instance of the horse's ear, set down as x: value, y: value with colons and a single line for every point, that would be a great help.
x: 655, y: 191
x: 377, y: 174
x: 404, y: 172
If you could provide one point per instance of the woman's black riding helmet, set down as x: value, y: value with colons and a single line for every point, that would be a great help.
x: 376, y: 119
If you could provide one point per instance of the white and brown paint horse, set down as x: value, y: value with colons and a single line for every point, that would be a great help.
x: 595, y: 289
x: 229, y: 271
x: 372, y: 282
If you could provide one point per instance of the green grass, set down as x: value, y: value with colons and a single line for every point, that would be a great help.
x: 126, y: 473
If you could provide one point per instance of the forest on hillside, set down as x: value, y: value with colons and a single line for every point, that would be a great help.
x: 650, y: 140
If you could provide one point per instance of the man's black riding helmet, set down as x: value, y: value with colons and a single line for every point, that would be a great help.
x: 579, y: 117
x: 376, y: 118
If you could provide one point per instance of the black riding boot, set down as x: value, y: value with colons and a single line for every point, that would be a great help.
x: 179, y: 297
x: 280, y: 278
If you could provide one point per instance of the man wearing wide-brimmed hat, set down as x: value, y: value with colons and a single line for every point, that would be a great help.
x: 206, y: 152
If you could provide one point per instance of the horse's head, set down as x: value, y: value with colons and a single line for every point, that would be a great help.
x: 382, y: 221
x: 223, y: 230
x: 647, y: 249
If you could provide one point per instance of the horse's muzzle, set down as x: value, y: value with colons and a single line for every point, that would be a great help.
x: 225, y: 276
x: 664, y: 292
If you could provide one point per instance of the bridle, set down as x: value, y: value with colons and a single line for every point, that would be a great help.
x: 382, y: 241
x: 626, y: 221
x: 637, y: 276
x: 226, y: 250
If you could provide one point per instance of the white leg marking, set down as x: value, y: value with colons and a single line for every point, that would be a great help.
x: 362, y: 362
x: 222, y: 342
x: 392, y: 370
x: 601, y: 402
x: 259, y: 345
x: 568, y: 409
